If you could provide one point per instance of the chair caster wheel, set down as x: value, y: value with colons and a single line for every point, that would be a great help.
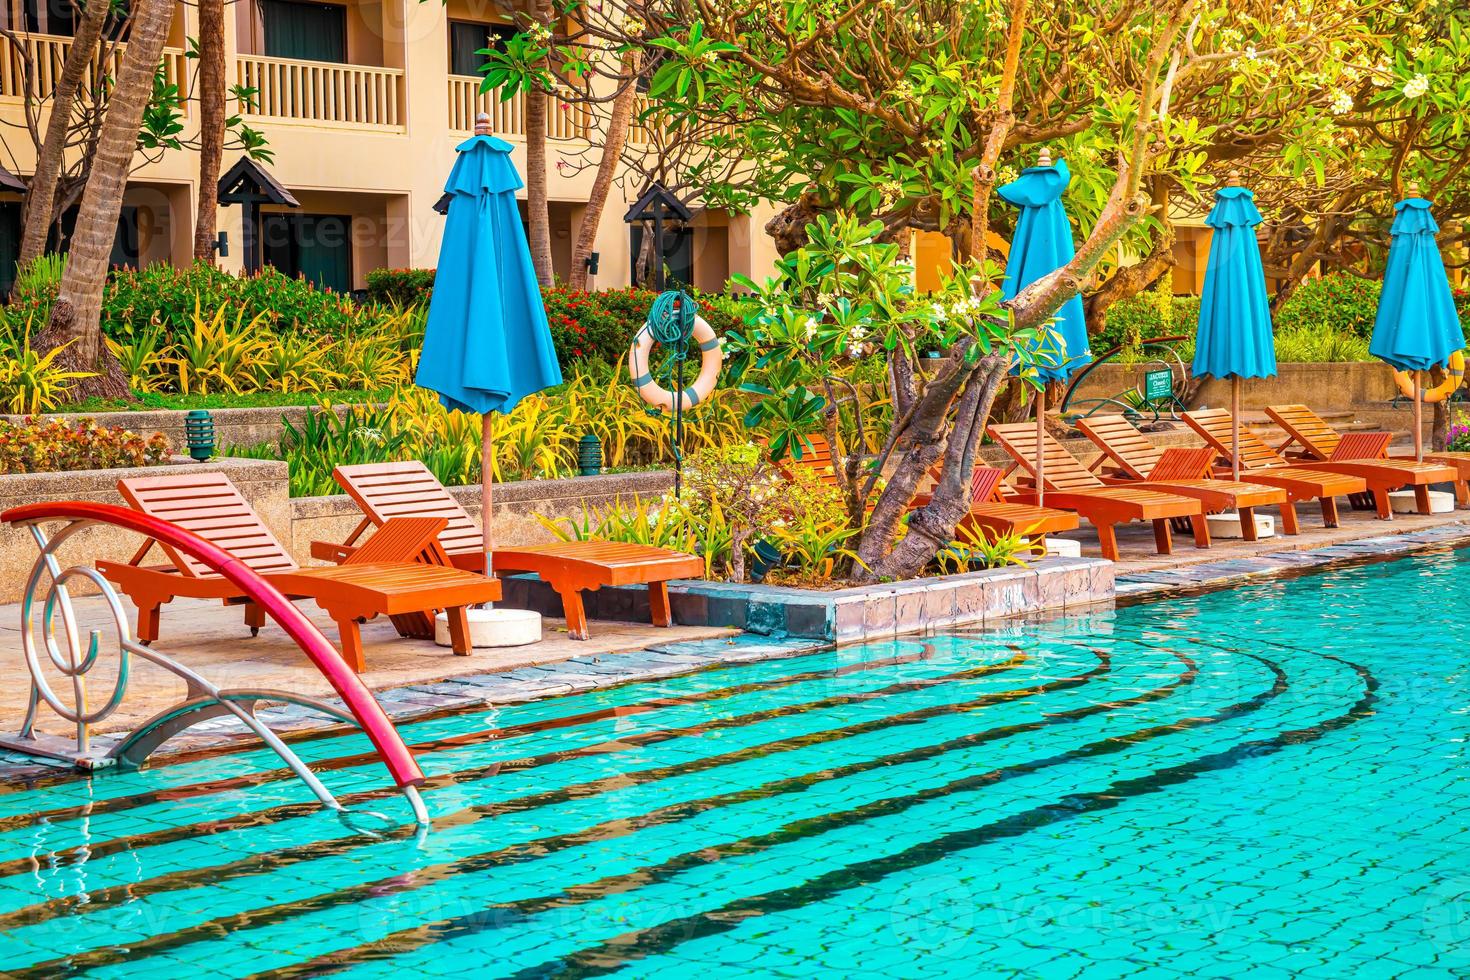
x: 255, y: 631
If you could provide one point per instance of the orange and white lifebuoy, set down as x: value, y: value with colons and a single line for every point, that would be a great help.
x: 711, y: 359
x: 1454, y: 375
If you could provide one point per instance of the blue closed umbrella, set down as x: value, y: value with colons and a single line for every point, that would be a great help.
x: 1417, y: 327
x: 487, y: 344
x: 1042, y: 245
x: 1234, y: 339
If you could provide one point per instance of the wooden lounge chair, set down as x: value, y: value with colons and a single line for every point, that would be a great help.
x: 383, y: 577
x: 1259, y: 463
x: 1072, y: 486
x: 1319, y: 441
x: 1184, y: 471
x: 1327, y: 450
x: 990, y: 513
x: 384, y: 491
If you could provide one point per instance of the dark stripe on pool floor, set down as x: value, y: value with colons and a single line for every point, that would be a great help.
x: 494, y: 916
x: 227, y: 784
x: 616, y: 953
x: 258, y: 864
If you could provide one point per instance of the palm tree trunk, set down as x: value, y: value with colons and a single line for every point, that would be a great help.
x: 612, y: 155
x: 75, y: 316
x: 211, y: 124
x: 41, y: 195
x: 538, y: 207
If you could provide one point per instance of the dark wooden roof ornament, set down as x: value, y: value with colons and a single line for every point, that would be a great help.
x: 250, y: 185
x: 657, y: 205
x: 10, y: 182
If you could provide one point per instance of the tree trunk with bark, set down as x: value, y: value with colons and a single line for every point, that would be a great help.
x: 75, y: 316
x: 538, y: 204
x: 41, y: 195
x: 612, y: 155
x: 211, y: 124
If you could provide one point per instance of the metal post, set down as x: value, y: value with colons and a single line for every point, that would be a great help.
x: 1235, y: 428
x: 658, y: 249
x: 1041, y: 445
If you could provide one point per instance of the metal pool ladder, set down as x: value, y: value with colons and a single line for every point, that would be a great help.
x: 203, y: 700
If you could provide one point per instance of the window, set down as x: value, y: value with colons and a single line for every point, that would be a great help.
x: 466, y: 39
x: 317, y: 247
x: 305, y: 31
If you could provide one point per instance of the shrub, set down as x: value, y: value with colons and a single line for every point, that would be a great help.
x: 1341, y: 302
x: 1144, y: 317
x: 402, y: 287
x: 52, y: 445
x: 1319, y: 343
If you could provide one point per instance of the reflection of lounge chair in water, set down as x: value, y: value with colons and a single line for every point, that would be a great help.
x: 1153, y: 394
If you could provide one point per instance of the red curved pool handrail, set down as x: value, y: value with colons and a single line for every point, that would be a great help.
x: 355, y: 695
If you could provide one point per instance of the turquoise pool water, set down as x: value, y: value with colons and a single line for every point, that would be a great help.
x: 1264, y: 781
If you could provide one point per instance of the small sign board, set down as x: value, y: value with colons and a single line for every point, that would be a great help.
x: 1158, y: 385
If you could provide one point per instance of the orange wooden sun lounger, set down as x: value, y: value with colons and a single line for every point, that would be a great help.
x: 382, y: 579
x: 384, y: 491
x: 1070, y: 485
x: 1184, y: 471
x: 1259, y: 463
x: 1318, y: 440
x: 990, y: 513
x: 1327, y: 450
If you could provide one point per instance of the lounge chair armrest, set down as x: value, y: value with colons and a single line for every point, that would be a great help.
x: 332, y: 552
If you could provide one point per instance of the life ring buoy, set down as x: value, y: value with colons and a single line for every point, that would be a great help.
x: 1454, y: 377
x: 711, y: 359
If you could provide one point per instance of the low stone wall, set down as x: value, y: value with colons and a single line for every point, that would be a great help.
x: 849, y: 615
x: 517, y: 506
x: 232, y: 426
x: 1323, y: 386
x: 262, y: 482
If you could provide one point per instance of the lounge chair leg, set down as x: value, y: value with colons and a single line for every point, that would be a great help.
x: 1329, y: 512
x: 1289, y: 524
x: 351, y: 644
x: 1248, y: 523
x: 1107, y: 537
x: 1421, y: 498
x: 459, y: 631
x: 148, y: 623
x: 571, y: 603
x: 254, y: 618
x: 1163, y: 539
x: 658, y: 604
x: 1462, y: 493
x: 1381, y: 501
x: 1201, y: 526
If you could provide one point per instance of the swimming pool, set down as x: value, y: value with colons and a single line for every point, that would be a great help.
x: 1266, y: 779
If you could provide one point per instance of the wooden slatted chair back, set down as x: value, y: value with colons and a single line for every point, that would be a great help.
x: 1063, y: 471
x: 403, y: 538
x: 1123, y: 444
x: 1362, y: 445
x: 408, y: 489
x: 1183, y: 463
x: 985, y: 485
x: 209, y: 505
x: 816, y: 457
x: 1214, y: 425
x: 1318, y: 439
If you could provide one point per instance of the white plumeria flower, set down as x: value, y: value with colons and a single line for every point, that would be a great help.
x: 1416, y: 86
x: 811, y: 327
x: 1342, y: 103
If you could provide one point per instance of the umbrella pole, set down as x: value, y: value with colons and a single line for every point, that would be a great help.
x: 1041, y: 445
x: 485, y: 472
x: 1419, y: 416
x: 1235, y: 428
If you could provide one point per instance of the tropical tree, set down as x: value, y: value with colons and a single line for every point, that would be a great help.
x: 75, y: 316
x: 211, y: 89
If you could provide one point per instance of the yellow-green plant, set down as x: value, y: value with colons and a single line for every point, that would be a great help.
x: 813, y: 530
x: 218, y: 352
x: 294, y: 363
x: 143, y: 356
x: 370, y: 361
x: 32, y: 382
x: 976, y: 548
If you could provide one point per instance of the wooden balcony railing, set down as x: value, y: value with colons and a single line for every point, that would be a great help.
x: 321, y: 92
x: 564, y: 121
x: 46, y: 53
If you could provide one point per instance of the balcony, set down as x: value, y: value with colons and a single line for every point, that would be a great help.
x: 564, y: 121
x: 46, y: 53
x: 322, y: 93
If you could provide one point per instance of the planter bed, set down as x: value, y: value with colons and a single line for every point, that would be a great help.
x: 848, y: 615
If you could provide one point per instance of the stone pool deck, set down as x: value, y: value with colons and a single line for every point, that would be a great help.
x: 416, y: 678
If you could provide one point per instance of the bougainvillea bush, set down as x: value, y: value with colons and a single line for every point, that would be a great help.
x: 51, y: 445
